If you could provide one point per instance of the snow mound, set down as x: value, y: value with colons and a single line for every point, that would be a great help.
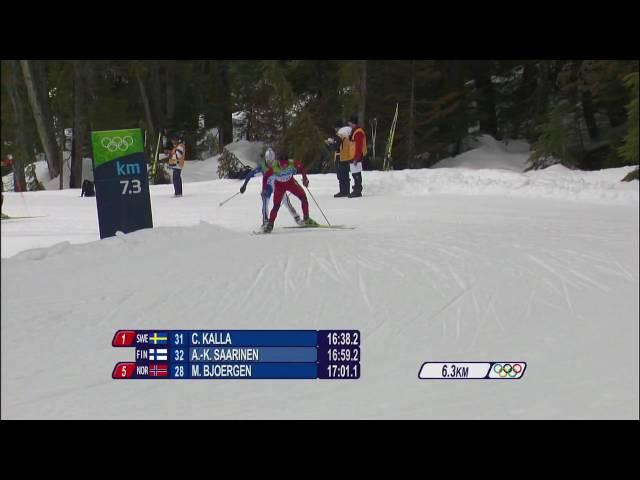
x: 42, y: 173
x: 557, y: 182
x: 491, y: 154
x: 200, y: 171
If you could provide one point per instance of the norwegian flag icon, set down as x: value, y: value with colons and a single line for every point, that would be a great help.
x: 158, y: 370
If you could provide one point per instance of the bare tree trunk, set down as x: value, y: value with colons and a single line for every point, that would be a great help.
x: 171, y: 97
x: 147, y: 106
x: 60, y: 177
x: 486, y: 99
x: 21, y: 157
x: 156, y: 94
x: 363, y: 93
x: 588, y: 113
x: 249, y: 131
x: 226, y: 127
x: 42, y: 118
x: 79, y: 123
x: 411, y: 125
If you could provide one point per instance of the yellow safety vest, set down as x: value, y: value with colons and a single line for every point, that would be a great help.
x: 348, y: 146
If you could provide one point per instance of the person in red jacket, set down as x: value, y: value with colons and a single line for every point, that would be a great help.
x: 283, y: 171
x: 358, y: 137
x: 8, y: 162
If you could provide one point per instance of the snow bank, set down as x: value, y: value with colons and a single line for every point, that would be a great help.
x: 557, y: 182
x: 200, y: 171
x: 424, y: 278
x: 490, y: 153
x: 42, y: 172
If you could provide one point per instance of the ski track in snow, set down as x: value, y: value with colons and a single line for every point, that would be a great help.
x: 425, y: 276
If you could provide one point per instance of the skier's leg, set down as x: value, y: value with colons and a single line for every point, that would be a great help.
x: 287, y: 203
x: 296, y: 189
x: 277, y: 199
x: 292, y: 210
x: 265, y: 195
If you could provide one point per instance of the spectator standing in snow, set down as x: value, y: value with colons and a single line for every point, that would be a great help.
x: 358, y: 145
x: 176, y: 162
x: 8, y: 162
x: 344, y: 159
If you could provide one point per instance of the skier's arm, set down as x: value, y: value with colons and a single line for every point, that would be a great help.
x: 249, y: 176
x: 300, y: 168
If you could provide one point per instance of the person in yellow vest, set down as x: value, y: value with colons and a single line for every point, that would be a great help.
x: 344, y: 157
x: 358, y: 150
x: 176, y: 162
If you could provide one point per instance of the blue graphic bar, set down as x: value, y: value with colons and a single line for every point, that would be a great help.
x: 239, y: 371
x: 235, y: 338
x: 253, y: 354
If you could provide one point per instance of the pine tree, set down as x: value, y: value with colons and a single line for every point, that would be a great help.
x: 304, y: 141
x: 446, y: 111
x: 629, y: 151
x: 552, y: 146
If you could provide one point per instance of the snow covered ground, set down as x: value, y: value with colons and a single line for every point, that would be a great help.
x: 490, y: 153
x: 446, y: 264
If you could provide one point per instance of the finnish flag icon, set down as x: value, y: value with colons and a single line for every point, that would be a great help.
x: 156, y: 354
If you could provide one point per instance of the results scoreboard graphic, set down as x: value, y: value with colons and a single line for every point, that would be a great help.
x: 239, y: 354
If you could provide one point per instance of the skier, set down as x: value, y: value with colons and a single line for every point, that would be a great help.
x: 270, y: 157
x: 283, y: 171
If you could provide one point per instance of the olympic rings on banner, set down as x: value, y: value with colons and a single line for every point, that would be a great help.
x: 117, y: 143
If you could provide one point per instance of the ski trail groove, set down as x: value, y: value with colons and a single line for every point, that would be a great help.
x: 363, y: 291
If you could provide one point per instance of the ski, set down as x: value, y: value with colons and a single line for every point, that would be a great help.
x: 7, y: 217
x: 336, y: 227
x: 284, y: 229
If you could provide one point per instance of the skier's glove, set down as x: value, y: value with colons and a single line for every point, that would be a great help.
x: 243, y: 188
x: 305, y: 181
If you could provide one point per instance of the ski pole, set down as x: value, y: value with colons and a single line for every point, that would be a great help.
x: 225, y: 201
x: 325, y: 217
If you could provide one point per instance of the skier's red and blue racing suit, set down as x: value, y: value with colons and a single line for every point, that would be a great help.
x: 267, y: 191
x: 282, y: 173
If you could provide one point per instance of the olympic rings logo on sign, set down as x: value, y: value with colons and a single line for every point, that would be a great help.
x: 507, y: 370
x: 117, y: 143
